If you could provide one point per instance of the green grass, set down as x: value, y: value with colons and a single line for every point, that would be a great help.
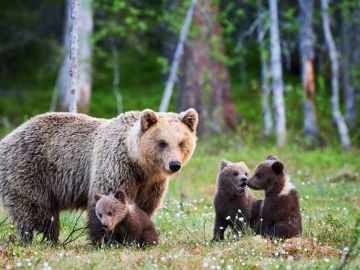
x: 328, y: 182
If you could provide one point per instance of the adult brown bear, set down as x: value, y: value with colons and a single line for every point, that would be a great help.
x: 58, y: 161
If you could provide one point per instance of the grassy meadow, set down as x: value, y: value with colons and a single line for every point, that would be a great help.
x: 328, y: 182
x: 327, y: 178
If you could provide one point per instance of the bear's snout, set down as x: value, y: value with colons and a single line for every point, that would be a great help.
x: 174, y: 166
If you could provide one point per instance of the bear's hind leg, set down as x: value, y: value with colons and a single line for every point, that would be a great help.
x: 51, y: 228
x: 283, y: 230
x: 33, y: 219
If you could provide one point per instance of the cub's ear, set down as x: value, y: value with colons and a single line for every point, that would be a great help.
x: 277, y: 167
x: 190, y: 118
x: 272, y: 157
x: 148, y: 118
x: 224, y: 163
x: 120, y: 195
x: 97, y: 197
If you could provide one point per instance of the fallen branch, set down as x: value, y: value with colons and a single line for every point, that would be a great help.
x: 69, y: 239
x: 3, y: 221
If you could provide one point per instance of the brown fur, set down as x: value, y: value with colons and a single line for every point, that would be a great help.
x: 280, y: 211
x: 232, y: 199
x: 58, y: 161
x: 123, y: 221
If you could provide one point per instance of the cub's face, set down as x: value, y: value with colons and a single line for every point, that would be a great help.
x: 266, y: 174
x: 111, y: 209
x: 167, y: 140
x: 233, y: 177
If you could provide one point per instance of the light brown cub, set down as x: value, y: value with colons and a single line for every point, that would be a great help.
x: 123, y: 221
x: 234, y: 203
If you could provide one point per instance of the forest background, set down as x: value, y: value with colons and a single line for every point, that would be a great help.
x: 266, y: 77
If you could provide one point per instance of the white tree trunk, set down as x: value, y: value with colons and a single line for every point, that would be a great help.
x: 176, y: 61
x: 277, y: 79
x: 116, y: 78
x: 74, y: 47
x: 333, y: 55
x: 85, y: 26
x: 265, y: 74
x: 306, y: 40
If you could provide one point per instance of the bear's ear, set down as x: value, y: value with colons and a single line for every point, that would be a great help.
x: 190, y: 118
x: 120, y: 195
x: 148, y: 119
x: 97, y: 197
x: 277, y: 167
x: 271, y: 157
x: 242, y: 163
x: 224, y: 163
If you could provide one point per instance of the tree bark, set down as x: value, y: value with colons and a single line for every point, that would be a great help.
x: 191, y: 80
x: 349, y: 57
x: 74, y: 46
x: 277, y: 79
x: 205, y: 79
x: 265, y: 73
x: 177, y: 57
x: 83, y: 93
x: 333, y: 55
x: 306, y: 41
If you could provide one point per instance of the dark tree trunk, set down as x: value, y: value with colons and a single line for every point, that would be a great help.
x: 190, y: 94
x: 204, y: 74
x: 306, y: 40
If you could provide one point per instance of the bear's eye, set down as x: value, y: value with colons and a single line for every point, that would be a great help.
x: 246, y: 174
x: 100, y: 215
x: 182, y: 145
x: 162, y: 144
x: 109, y: 213
x: 235, y: 173
x: 258, y: 175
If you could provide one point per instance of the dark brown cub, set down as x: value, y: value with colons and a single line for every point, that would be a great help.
x: 280, y: 211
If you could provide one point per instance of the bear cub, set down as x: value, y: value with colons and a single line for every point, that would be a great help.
x: 234, y: 204
x: 280, y: 211
x: 123, y: 221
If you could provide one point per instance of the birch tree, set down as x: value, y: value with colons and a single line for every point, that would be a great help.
x: 333, y: 55
x: 265, y: 72
x: 306, y: 41
x: 176, y: 61
x: 62, y: 96
x: 74, y: 65
x: 277, y: 79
